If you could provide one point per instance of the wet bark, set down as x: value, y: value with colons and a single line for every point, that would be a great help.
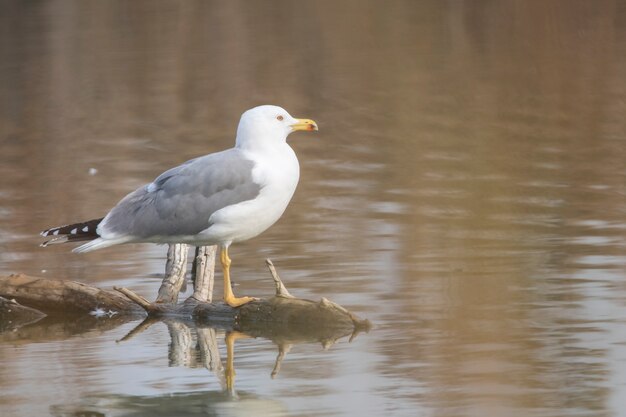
x: 276, y: 315
x: 282, y: 313
x: 175, y: 271
x: 51, y: 295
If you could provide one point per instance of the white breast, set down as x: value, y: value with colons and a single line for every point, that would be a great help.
x: 278, y: 173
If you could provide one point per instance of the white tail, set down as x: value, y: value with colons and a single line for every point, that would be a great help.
x: 99, y: 244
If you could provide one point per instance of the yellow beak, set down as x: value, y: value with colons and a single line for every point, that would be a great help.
x: 304, y: 124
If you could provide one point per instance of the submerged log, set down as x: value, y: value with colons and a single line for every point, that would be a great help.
x: 14, y: 315
x: 192, y: 324
x: 51, y: 295
x: 278, y: 314
x: 283, y: 312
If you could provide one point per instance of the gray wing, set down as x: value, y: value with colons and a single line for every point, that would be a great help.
x: 181, y: 200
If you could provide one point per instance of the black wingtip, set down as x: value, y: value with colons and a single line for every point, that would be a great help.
x: 72, y: 232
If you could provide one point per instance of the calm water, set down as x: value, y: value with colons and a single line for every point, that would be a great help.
x: 466, y: 193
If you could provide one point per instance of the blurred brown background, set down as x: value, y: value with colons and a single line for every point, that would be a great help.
x: 466, y: 191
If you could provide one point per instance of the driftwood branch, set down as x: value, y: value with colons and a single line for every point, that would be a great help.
x: 282, y: 310
x: 281, y: 314
x: 193, y: 324
x: 49, y: 295
x: 204, y: 273
x: 175, y: 270
x: 138, y: 299
x: 281, y: 290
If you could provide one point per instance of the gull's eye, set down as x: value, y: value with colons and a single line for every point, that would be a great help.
x: 279, y: 118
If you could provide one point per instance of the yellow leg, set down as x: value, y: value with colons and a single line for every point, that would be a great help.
x: 229, y: 371
x: 229, y: 296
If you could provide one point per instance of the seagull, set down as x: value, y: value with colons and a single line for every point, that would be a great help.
x: 216, y: 199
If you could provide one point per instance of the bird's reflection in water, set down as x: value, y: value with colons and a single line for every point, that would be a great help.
x: 196, y: 345
x: 192, y: 345
x: 203, y: 403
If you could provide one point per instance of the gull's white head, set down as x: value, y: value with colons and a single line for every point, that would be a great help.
x: 267, y: 125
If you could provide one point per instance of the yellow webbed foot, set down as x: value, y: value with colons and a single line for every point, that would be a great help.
x: 238, y: 301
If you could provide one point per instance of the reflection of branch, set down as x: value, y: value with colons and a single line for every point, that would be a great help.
x: 140, y: 328
x: 364, y: 327
x: 210, y: 353
x: 180, y: 350
x: 14, y: 315
x: 205, y: 352
x: 283, y: 350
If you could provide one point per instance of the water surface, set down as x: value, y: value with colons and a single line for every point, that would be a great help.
x: 466, y: 192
